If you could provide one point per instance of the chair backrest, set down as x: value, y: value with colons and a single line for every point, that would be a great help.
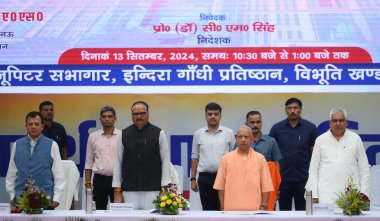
x: 375, y: 190
x: 71, y: 185
x: 177, y: 175
x: 84, y: 189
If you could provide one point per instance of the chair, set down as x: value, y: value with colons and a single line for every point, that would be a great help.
x: 195, y: 199
x: 176, y: 173
x: 71, y: 185
x: 375, y: 190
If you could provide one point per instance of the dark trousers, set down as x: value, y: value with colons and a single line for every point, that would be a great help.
x: 209, y: 196
x: 290, y: 190
x: 102, y: 190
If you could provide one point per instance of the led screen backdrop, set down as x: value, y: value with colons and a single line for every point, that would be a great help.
x: 178, y: 55
x: 212, y: 43
x: 41, y: 31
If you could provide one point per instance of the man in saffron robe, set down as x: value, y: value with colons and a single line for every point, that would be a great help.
x: 243, y: 180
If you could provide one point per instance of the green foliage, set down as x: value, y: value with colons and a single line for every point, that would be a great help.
x: 169, y: 201
x: 352, y: 201
x: 33, y: 199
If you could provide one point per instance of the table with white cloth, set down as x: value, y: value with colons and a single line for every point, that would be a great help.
x: 186, y: 215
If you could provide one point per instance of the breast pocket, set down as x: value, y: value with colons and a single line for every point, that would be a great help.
x: 349, y: 153
x: 329, y: 153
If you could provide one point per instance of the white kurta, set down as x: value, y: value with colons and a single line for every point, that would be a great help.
x: 333, y: 162
x: 56, y: 168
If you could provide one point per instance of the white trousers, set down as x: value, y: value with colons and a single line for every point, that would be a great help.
x: 142, y: 200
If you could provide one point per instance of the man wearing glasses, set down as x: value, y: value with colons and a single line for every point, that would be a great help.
x: 338, y: 154
x: 141, y: 164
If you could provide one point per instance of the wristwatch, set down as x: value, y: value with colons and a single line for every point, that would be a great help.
x: 192, y: 178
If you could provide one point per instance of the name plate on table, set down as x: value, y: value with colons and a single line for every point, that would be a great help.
x: 323, y: 208
x: 121, y: 207
x: 4, y: 207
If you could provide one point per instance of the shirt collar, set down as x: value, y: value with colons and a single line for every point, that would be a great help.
x: 145, y: 126
x: 52, y: 125
x: 250, y: 152
x: 332, y: 135
x: 34, y: 140
x: 262, y: 137
x: 220, y: 128
x: 113, y: 131
x: 288, y: 124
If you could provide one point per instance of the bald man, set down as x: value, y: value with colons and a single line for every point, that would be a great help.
x: 243, y: 180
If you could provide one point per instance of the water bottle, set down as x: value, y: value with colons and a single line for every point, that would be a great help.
x: 309, y: 202
x: 89, y: 198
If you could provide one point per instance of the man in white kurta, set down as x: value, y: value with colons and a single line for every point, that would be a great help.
x: 338, y: 154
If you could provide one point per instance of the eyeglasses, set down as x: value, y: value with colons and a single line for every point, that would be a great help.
x: 136, y: 114
x: 338, y: 120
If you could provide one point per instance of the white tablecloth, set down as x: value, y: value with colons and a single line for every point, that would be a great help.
x: 188, y: 216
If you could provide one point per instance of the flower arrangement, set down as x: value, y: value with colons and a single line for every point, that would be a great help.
x: 33, y: 199
x: 169, y: 201
x: 352, y: 202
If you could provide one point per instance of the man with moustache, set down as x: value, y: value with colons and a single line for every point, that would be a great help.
x: 52, y: 129
x: 338, y: 154
x: 295, y: 137
x: 243, y: 181
x: 37, y: 157
x: 262, y: 143
x: 142, y: 165
x: 210, y: 143
x: 100, y: 154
